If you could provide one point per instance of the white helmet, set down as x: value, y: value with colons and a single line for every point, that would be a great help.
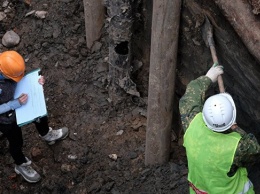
x: 219, y: 112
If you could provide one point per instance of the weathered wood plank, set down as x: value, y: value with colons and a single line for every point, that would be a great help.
x: 245, y: 23
x: 94, y: 20
x: 164, y: 44
x: 120, y: 50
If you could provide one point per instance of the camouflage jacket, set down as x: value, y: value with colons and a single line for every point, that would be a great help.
x: 248, y: 150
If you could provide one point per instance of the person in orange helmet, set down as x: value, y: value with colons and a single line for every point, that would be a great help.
x: 12, y: 68
x: 12, y: 65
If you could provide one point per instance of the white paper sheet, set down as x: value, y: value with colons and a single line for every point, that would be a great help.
x: 35, y: 106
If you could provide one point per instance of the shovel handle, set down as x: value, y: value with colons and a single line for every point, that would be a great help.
x: 221, y: 84
x: 215, y: 60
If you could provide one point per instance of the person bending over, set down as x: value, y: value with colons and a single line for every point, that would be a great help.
x: 217, y: 149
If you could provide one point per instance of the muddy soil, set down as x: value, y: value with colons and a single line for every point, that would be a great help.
x: 77, y: 97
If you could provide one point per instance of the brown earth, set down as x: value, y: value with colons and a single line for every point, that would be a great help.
x: 77, y: 97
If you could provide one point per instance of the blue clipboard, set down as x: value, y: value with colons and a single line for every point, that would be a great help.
x: 36, y: 105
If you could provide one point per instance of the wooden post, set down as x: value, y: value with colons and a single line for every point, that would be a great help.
x: 120, y: 50
x: 94, y: 20
x: 164, y: 44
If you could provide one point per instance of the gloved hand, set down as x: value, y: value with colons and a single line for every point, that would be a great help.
x: 214, y: 72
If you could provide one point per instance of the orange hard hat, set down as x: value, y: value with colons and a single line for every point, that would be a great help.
x: 12, y: 65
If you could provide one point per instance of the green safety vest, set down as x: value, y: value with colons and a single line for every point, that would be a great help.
x: 210, y: 156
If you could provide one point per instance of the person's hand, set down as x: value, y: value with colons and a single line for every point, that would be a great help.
x: 23, y: 99
x: 214, y: 72
x: 41, y: 80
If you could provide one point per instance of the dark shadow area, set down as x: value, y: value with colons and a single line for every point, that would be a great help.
x: 122, y: 48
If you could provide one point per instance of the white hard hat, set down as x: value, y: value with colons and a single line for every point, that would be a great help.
x: 219, y: 112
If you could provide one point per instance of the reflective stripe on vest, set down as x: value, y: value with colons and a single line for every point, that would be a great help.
x: 196, y: 190
x: 247, y: 186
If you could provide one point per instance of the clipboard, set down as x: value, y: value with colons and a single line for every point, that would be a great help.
x: 36, y: 105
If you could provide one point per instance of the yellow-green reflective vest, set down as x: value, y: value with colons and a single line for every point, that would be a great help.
x: 210, y: 156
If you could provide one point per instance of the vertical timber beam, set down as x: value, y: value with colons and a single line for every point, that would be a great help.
x: 163, y: 59
x: 120, y: 50
x: 94, y: 12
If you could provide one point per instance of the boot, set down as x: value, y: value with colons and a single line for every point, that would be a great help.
x: 53, y: 135
x: 27, y: 172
